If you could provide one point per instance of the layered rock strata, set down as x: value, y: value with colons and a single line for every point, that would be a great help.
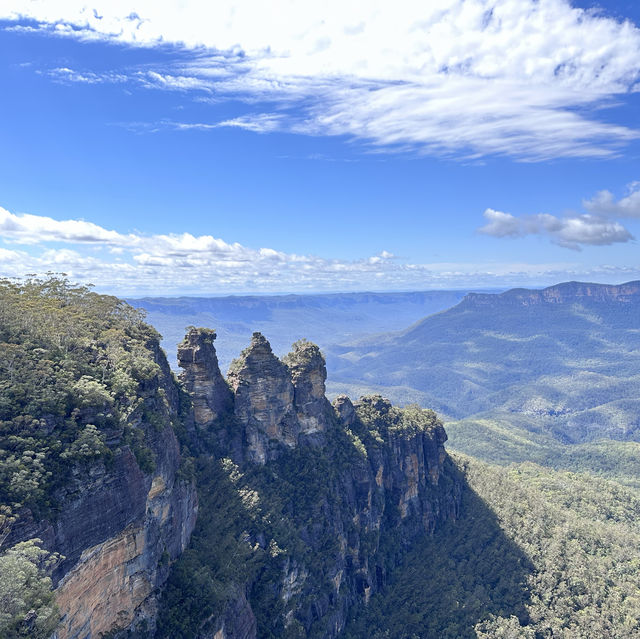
x: 565, y: 293
x: 344, y: 489
x: 276, y: 404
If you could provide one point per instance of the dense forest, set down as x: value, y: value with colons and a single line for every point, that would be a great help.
x: 506, y: 438
x: 536, y: 553
x: 71, y: 363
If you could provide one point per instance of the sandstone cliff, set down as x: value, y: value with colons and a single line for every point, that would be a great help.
x: 304, y: 507
x: 118, y: 526
x: 565, y: 293
x: 202, y: 378
x: 278, y: 403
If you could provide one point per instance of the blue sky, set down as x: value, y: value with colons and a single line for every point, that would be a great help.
x: 167, y: 148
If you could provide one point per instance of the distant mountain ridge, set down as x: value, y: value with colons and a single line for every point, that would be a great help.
x: 566, y: 357
x: 566, y: 292
x: 325, y: 319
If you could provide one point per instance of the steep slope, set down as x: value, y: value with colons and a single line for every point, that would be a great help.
x: 505, y: 438
x: 310, y: 504
x: 304, y: 506
x: 89, y: 462
x: 567, y: 356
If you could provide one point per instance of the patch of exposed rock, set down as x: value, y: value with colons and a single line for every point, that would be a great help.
x: 276, y: 404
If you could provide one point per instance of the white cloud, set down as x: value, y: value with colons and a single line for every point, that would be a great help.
x: 155, y: 80
x: 182, y: 263
x: 604, y: 203
x: 34, y: 229
x: 462, y: 77
x: 259, y: 123
x: 64, y: 74
x: 571, y: 231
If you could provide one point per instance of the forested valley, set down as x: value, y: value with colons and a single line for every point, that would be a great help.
x: 348, y: 520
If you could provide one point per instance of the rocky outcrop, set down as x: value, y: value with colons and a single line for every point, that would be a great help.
x: 329, y: 497
x: 387, y: 481
x: 308, y: 374
x: 410, y: 464
x: 276, y: 404
x: 113, y: 584
x: 345, y: 410
x: 263, y: 400
x: 378, y: 478
x: 201, y: 376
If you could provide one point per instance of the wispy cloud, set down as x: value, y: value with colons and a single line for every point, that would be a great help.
x: 467, y: 78
x: 66, y: 75
x: 135, y: 263
x: 258, y: 123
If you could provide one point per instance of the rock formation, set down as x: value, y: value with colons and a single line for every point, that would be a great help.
x: 276, y: 403
x: 201, y: 376
x: 308, y: 374
x: 263, y: 400
x: 379, y: 478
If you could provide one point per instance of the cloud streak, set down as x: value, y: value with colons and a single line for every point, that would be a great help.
x: 521, y: 78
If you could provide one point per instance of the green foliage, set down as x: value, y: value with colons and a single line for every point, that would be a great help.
x: 221, y: 553
x: 7, y: 519
x: 90, y: 392
x: 380, y: 419
x: 414, y: 419
x: 507, y: 438
x: 503, y: 628
x: 302, y: 352
x: 536, y: 553
x: 88, y: 445
x: 27, y: 607
x: 71, y: 367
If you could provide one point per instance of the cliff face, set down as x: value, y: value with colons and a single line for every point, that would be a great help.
x: 119, y: 527
x: 565, y: 293
x: 202, y: 378
x: 340, y: 491
x: 277, y: 404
